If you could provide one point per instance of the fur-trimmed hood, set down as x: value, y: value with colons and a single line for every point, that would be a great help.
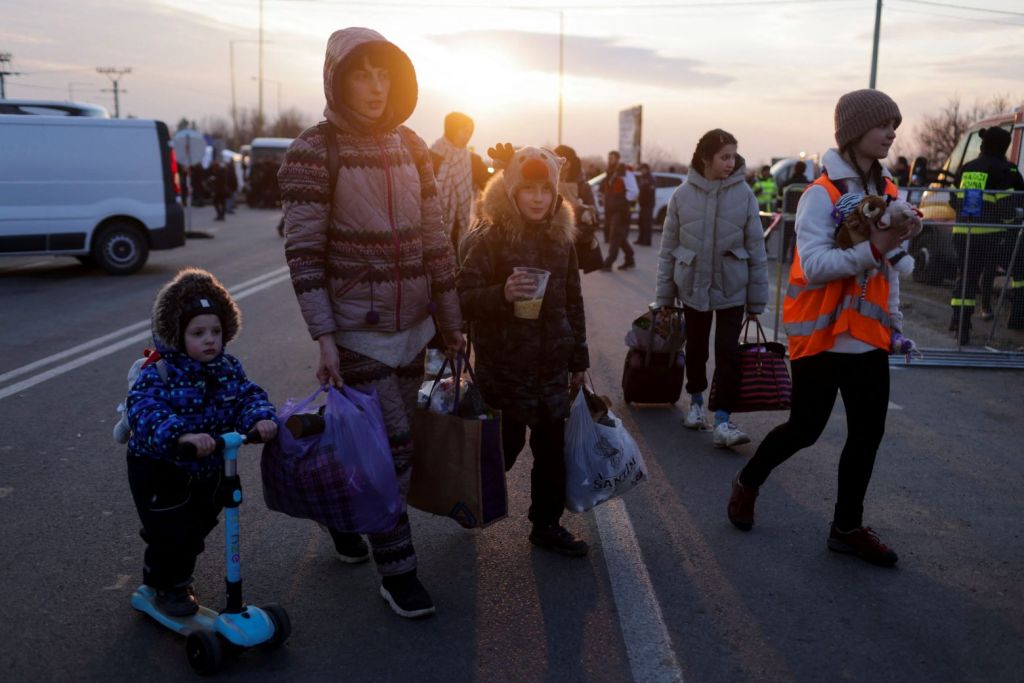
x: 496, y: 209
x: 179, y: 296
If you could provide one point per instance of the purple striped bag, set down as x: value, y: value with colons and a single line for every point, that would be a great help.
x: 763, y: 382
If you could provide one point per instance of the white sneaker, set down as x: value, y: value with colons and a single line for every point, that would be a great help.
x: 695, y: 418
x: 728, y: 435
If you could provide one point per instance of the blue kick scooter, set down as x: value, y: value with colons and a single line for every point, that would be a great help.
x: 238, y: 626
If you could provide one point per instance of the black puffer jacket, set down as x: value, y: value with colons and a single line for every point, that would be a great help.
x: 522, y: 365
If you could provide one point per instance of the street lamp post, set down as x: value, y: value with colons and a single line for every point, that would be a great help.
x: 278, y: 84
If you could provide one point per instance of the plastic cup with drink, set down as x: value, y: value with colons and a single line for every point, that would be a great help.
x: 529, y: 309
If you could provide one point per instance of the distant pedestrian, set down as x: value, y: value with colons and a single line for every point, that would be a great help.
x: 713, y: 260
x: 217, y: 186
x: 901, y: 172
x: 526, y: 367
x: 188, y: 392
x: 574, y: 189
x: 454, y: 169
x: 647, y: 189
x: 232, y: 184
x: 618, y: 190
x: 920, y: 176
x: 799, y: 176
x: 766, y: 190
x: 840, y: 312
x: 370, y: 263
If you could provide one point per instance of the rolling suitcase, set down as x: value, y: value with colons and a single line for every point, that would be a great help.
x: 650, y: 376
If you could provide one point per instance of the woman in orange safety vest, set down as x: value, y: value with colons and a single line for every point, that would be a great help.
x: 840, y: 310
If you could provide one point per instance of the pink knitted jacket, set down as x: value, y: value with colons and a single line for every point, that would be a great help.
x: 386, y: 250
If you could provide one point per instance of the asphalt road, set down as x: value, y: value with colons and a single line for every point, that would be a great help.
x: 670, y: 590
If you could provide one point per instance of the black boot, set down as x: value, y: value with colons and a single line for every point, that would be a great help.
x: 179, y: 601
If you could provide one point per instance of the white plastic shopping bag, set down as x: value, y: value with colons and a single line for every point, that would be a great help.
x: 601, y: 458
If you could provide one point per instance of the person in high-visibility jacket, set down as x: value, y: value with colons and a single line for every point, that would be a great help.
x: 765, y: 189
x: 840, y: 311
x: 979, y: 249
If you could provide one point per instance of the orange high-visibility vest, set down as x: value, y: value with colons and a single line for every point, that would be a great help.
x: 815, y: 314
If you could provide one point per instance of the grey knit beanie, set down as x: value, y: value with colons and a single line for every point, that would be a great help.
x: 859, y: 111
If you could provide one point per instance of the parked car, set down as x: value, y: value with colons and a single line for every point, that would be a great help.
x: 101, y: 190
x: 665, y: 185
x: 52, y: 108
x: 934, y: 256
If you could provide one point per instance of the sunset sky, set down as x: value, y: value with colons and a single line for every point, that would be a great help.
x: 767, y: 71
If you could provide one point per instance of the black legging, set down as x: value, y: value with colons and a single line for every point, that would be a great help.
x: 863, y: 381
x: 728, y: 323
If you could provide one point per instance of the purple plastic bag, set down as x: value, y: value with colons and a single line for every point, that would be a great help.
x: 343, y: 478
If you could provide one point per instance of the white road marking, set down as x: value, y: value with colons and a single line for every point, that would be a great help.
x: 142, y: 324
x: 895, y: 406
x: 117, y: 346
x: 648, y: 645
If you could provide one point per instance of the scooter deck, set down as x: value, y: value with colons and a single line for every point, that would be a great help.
x: 249, y: 628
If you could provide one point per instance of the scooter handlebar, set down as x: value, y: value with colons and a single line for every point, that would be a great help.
x: 187, y: 451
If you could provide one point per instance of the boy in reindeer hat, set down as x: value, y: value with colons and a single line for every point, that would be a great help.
x: 525, y: 366
x: 199, y: 391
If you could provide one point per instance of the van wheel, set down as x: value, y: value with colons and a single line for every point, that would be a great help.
x: 120, y: 249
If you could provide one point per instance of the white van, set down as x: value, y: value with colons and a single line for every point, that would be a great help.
x: 102, y: 190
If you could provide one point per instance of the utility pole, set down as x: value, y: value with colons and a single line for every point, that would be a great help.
x: 5, y: 59
x: 259, y: 124
x: 561, y: 69
x: 114, y: 74
x: 874, y: 49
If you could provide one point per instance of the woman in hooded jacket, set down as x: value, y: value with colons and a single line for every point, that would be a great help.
x: 371, y: 263
x: 713, y: 261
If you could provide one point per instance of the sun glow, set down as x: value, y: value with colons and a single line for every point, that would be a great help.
x: 485, y: 78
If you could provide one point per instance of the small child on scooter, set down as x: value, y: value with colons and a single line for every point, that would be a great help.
x: 189, y: 390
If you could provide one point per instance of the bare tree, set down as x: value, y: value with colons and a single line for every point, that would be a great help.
x: 937, y: 134
x: 290, y: 123
x: 661, y: 159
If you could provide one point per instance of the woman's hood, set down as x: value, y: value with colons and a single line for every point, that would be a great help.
x: 404, y: 88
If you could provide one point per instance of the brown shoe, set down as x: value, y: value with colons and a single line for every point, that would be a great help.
x: 864, y: 543
x: 741, y: 505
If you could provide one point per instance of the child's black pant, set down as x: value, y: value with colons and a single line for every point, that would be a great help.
x: 177, y: 510
x: 547, y: 478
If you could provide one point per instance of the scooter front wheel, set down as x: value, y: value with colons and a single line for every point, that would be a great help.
x: 282, y: 625
x: 204, y: 651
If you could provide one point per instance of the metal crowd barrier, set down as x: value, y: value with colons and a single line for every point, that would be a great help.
x: 964, y: 303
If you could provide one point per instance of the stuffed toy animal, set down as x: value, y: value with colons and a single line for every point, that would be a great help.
x: 858, y: 214
x: 857, y: 223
